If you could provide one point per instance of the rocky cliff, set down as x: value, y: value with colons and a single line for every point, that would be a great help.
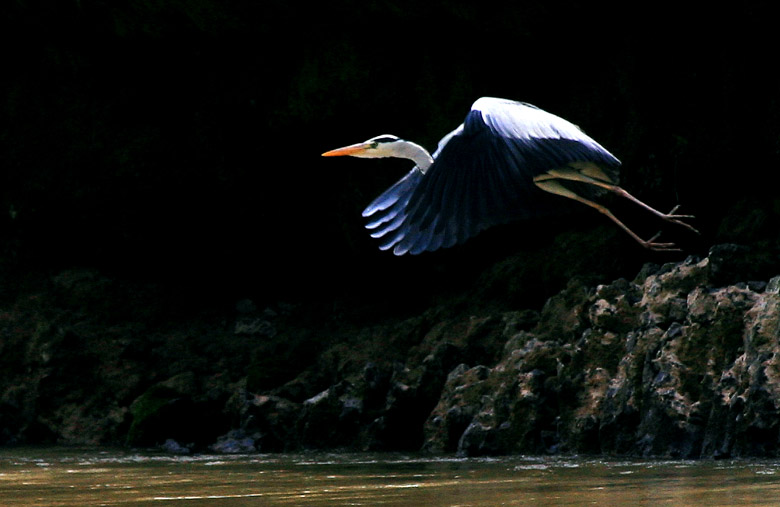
x: 681, y: 361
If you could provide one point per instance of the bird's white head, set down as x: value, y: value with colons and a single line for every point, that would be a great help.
x: 386, y: 146
x: 376, y: 147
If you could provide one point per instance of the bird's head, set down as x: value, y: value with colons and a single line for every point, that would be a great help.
x: 376, y: 147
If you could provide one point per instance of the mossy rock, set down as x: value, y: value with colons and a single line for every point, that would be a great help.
x: 158, y: 414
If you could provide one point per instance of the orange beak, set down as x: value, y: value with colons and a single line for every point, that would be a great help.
x: 346, y: 150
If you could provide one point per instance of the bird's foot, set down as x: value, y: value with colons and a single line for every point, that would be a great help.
x: 652, y: 244
x: 678, y: 219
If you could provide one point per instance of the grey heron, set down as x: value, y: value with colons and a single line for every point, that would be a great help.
x: 500, y: 165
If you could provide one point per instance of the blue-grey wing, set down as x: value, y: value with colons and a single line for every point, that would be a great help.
x: 387, y: 212
x: 482, y: 176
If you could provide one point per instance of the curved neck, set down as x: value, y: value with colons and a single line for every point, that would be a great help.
x: 414, y: 152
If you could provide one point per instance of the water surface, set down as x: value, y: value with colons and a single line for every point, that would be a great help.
x: 84, y: 477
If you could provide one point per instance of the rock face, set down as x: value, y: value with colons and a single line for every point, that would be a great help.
x: 682, y: 361
x: 668, y: 364
x: 665, y: 365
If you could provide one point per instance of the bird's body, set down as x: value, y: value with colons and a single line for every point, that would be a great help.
x: 503, y: 163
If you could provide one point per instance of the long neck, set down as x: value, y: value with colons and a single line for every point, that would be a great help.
x: 415, y: 152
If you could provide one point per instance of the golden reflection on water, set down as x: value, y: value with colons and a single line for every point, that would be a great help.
x: 58, y: 477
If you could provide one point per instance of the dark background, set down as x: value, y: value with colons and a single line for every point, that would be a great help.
x: 179, y: 141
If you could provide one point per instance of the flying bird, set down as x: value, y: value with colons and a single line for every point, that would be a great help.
x: 507, y: 161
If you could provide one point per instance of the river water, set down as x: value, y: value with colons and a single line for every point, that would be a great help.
x: 85, y: 477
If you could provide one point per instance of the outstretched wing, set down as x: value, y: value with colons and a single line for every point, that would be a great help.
x: 482, y: 175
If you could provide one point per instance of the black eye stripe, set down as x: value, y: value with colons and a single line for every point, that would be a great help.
x: 385, y: 139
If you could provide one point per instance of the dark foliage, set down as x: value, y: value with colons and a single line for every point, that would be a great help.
x: 182, y: 139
